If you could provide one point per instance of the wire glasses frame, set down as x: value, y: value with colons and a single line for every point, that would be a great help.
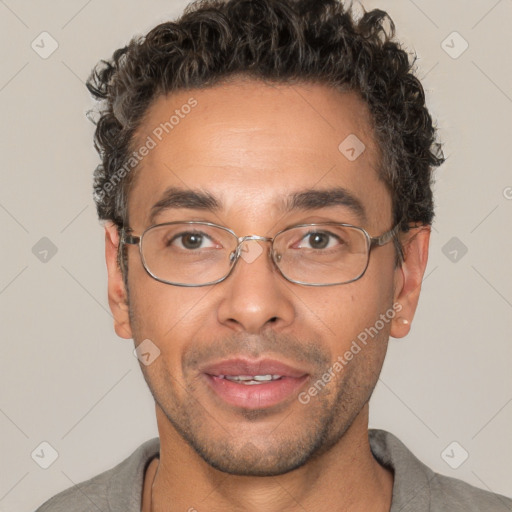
x: 371, y: 242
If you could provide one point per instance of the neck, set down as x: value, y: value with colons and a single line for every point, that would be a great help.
x: 345, y: 478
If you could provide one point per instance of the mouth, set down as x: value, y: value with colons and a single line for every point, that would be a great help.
x: 249, y: 380
x: 254, y: 384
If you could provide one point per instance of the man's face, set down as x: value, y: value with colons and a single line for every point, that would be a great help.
x: 251, y: 146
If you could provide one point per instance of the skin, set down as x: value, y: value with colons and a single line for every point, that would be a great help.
x: 250, y: 144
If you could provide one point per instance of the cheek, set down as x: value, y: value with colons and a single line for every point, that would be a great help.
x: 163, y: 313
x: 344, y: 312
x: 171, y: 318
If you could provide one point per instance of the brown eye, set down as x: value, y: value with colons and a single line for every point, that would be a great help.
x: 191, y: 240
x: 319, y: 240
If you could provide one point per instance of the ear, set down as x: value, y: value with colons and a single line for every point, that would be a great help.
x: 408, y: 278
x: 117, y: 296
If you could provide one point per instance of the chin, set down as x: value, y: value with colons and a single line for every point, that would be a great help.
x: 252, y: 461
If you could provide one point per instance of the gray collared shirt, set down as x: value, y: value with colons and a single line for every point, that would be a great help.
x: 416, y: 487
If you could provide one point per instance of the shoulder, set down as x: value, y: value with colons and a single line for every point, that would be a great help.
x: 417, y: 488
x: 87, y: 496
x: 454, y: 495
x: 118, y: 489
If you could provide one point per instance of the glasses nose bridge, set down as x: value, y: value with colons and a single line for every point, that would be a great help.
x: 242, y: 239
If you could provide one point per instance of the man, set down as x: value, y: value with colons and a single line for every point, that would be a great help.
x: 265, y: 178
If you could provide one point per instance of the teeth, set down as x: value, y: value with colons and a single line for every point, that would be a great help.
x: 251, y: 379
x: 263, y: 377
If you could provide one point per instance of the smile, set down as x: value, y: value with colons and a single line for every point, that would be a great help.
x: 254, y: 384
x: 250, y: 379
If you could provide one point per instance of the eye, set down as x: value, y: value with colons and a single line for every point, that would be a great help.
x: 191, y: 240
x: 319, y: 240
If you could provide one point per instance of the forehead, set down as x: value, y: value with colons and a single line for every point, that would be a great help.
x: 251, y: 144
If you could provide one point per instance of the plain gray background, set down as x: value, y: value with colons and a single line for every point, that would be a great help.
x: 67, y: 380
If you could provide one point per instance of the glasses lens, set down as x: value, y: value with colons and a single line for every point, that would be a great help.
x: 188, y: 254
x: 322, y: 254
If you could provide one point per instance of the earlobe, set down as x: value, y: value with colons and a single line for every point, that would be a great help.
x: 117, y: 296
x: 408, y: 278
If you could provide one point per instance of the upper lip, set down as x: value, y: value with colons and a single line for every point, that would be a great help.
x: 240, y: 366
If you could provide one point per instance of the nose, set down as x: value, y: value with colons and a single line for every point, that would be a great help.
x: 255, y: 295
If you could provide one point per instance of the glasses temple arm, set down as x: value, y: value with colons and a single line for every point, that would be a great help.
x: 392, y: 234
x: 126, y: 238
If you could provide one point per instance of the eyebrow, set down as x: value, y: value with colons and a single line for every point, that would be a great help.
x: 314, y: 199
x: 311, y: 199
x: 174, y: 197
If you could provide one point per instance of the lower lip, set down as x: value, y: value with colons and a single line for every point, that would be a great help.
x: 255, y: 396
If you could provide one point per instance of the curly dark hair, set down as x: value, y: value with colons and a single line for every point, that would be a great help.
x: 279, y: 41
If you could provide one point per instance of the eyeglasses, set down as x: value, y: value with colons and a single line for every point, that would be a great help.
x: 197, y: 253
